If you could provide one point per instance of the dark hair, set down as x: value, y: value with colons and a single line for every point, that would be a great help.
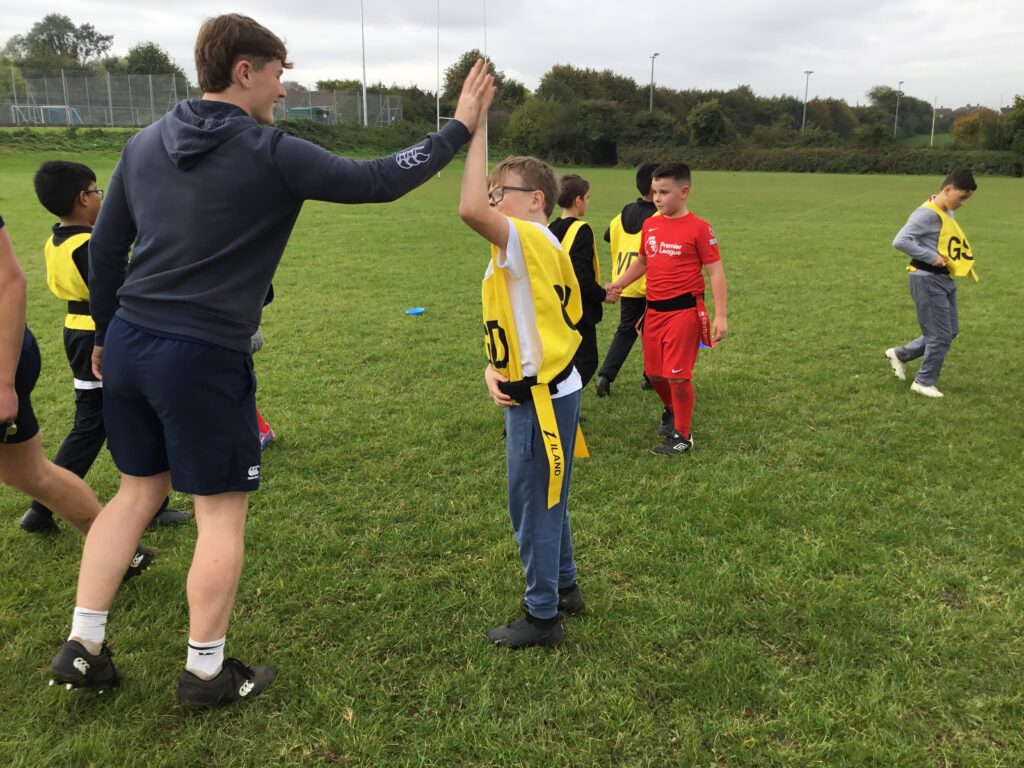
x: 223, y: 40
x: 643, y: 178
x: 571, y: 186
x: 961, y: 178
x: 58, y: 184
x: 679, y: 172
x: 536, y: 173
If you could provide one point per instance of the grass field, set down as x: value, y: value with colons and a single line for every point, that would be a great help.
x: 921, y: 140
x: 834, y: 577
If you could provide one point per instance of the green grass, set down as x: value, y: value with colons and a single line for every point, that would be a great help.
x: 832, y: 578
x: 922, y: 140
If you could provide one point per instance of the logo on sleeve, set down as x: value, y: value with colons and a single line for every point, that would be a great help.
x: 410, y: 158
x: 714, y: 238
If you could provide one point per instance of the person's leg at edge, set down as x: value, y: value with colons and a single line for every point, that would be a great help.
x: 216, y: 569
x: 24, y: 466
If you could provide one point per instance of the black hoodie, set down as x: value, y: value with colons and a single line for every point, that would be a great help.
x: 209, y: 198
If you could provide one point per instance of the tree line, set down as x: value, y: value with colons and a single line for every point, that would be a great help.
x: 587, y: 116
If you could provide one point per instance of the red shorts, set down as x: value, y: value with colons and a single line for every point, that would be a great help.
x: 671, y: 341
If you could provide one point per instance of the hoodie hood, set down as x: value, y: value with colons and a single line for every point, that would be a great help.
x: 635, y: 214
x: 195, y: 127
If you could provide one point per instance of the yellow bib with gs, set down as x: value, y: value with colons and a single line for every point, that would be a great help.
x: 953, y: 245
x: 65, y: 281
x: 556, y: 310
x: 625, y: 247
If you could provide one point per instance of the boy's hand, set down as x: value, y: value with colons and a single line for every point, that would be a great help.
x: 97, y: 362
x: 719, y: 329
x: 492, y: 377
x: 940, y: 260
x: 612, y: 292
x: 476, y: 97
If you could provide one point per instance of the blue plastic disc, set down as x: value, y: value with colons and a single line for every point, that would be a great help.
x: 414, y: 311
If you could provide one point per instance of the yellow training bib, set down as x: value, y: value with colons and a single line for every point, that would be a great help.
x: 953, y: 245
x: 625, y: 248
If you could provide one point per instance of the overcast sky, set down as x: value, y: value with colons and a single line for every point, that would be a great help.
x: 969, y: 51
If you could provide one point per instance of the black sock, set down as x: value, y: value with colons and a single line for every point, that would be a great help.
x: 543, y: 623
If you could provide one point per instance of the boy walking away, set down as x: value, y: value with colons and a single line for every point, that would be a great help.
x: 68, y: 191
x: 531, y: 305
x: 624, y: 236
x: 674, y: 248
x: 577, y: 239
x: 22, y: 463
x: 938, y: 252
x: 209, y: 195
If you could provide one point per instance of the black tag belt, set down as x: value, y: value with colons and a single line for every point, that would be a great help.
x: 928, y: 267
x: 682, y: 301
x: 78, y: 307
x: 520, y: 390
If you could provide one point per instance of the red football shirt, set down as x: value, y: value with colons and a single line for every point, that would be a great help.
x: 676, y: 249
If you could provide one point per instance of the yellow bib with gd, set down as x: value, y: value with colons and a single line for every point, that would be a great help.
x: 556, y: 310
x: 64, y: 279
x: 953, y: 245
x: 625, y: 247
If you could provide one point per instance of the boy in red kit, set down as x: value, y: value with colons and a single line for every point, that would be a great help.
x: 674, y: 248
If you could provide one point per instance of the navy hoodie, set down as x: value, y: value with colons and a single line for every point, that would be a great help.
x: 206, y: 198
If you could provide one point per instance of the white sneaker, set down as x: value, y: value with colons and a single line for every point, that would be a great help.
x: 899, y: 368
x: 928, y: 390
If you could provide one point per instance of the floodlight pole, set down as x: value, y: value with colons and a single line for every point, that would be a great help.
x: 650, y: 104
x: 438, y: 92
x: 935, y: 106
x: 362, y: 29
x: 487, y: 121
x: 896, y: 119
x: 807, y: 85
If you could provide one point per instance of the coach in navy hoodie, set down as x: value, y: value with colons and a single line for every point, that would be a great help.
x: 206, y: 199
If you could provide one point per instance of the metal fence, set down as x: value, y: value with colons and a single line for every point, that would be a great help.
x: 333, y: 107
x: 89, y: 99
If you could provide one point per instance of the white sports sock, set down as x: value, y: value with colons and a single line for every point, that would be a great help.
x: 88, y: 628
x: 205, y: 659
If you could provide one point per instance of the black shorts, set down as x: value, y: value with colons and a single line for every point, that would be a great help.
x: 183, y: 405
x: 29, y: 364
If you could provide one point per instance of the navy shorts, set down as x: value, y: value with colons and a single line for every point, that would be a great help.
x: 180, y: 404
x: 25, y: 378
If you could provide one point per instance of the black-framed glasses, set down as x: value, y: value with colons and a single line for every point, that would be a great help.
x: 97, y: 192
x: 497, y: 194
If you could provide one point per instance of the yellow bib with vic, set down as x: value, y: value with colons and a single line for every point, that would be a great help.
x: 64, y: 279
x: 625, y: 247
x: 953, y: 245
x: 556, y: 310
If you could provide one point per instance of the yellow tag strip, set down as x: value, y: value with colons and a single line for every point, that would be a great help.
x: 580, y: 450
x: 552, y: 441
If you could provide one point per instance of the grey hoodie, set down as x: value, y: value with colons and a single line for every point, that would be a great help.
x: 209, y: 198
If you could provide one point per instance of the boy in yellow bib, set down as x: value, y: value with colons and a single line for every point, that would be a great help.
x: 531, y: 305
x: 938, y: 252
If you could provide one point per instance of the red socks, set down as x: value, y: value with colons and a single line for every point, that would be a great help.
x: 263, y: 426
x: 664, y: 391
x: 682, y: 405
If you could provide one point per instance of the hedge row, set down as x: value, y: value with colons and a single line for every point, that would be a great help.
x: 931, y: 162
x: 65, y: 139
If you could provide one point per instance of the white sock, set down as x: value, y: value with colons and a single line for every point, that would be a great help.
x: 205, y: 659
x: 88, y: 628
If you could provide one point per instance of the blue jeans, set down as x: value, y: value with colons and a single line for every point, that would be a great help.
x: 543, y: 535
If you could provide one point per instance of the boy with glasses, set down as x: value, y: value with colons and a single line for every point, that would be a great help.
x: 68, y: 191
